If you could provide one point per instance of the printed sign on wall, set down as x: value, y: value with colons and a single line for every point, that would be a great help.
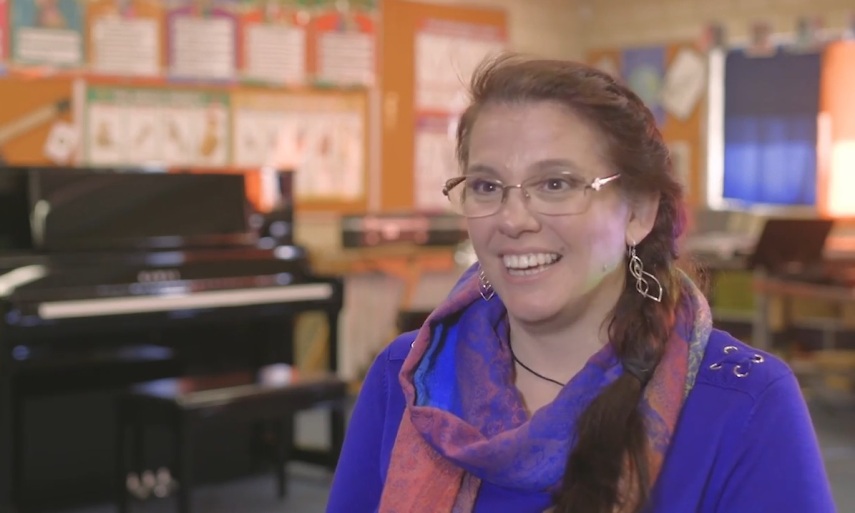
x: 47, y: 32
x: 345, y: 47
x: 124, y: 37
x: 148, y: 126
x: 274, y: 44
x: 202, y: 40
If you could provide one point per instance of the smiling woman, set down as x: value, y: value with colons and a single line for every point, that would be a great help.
x: 574, y: 368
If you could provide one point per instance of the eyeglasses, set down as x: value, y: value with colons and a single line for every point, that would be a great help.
x: 555, y: 195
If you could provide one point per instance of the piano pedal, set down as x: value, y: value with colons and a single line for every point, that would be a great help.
x: 164, y: 484
x: 150, y: 484
x: 135, y: 486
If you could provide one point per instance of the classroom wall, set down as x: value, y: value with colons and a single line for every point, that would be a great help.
x: 607, y: 23
x: 549, y: 28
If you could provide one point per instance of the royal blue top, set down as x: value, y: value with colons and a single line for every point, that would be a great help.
x: 744, y: 442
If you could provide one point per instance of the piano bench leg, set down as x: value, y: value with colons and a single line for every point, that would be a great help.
x: 121, y: 470
x: 283, y: 452
x: 184, y: 463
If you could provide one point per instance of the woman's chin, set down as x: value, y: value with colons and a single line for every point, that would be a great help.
x: 533, y: 310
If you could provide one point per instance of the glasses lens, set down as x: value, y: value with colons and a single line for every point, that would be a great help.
x: 480, y: 196
x: 562, y: 194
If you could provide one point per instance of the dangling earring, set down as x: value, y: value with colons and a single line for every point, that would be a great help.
x: 486, y: 288
x: 642, y: 285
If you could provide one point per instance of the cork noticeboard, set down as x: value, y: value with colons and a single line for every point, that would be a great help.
x: 683, y: 133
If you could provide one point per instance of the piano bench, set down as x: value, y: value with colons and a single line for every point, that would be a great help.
x: 185, y: 404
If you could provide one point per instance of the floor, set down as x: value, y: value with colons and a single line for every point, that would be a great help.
x: 309, y: 485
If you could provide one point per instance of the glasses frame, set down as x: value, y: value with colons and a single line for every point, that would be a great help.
x: 595, y: 185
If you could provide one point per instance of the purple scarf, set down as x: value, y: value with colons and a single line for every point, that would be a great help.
x: 465, y: 420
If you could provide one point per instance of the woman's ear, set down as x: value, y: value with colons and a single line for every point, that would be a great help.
x: 642, y: 217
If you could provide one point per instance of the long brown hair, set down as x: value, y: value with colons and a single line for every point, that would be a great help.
x: 607, y: 470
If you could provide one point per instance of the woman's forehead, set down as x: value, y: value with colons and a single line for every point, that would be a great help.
x: 533, y: 136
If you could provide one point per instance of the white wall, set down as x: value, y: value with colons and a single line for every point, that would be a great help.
x: 547, y: 28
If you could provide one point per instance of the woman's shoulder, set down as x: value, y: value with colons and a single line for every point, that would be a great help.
x: 399, y: 348
x: 729, y: 363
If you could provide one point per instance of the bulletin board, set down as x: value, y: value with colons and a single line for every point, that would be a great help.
x: 418, y: 99
x: 273, y: 42
x: 320, y: 134
x: 229, y: 86
x: 671, y: 80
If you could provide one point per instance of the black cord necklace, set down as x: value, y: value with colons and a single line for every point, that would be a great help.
x: 526, y: 367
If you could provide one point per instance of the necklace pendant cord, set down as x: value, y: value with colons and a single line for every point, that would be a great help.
x: 526, y: 367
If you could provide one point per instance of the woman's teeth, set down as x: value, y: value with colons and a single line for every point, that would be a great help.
x: 529, y: 264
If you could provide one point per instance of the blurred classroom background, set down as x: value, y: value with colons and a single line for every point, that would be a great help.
x: 214, y: 214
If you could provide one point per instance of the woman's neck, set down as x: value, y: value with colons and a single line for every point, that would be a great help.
x: 560, y: 347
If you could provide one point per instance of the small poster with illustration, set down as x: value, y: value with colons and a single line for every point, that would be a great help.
x: 124, y: 37
x: 345, y: 42
x: 150, y: 126
x: 274, y: 43
x: 202, y: 40
x: 47, y: 32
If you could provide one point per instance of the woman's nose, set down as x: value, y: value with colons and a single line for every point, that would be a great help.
x: 516, y: 216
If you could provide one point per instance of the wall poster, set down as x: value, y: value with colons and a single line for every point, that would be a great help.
x: 202, y: 40
x: 274, y: 43
x: 124, y: 37
x: 345, y: 47
x: 321, y: 137
x: 446, y: 54
x: 47, y: 32
x: 156, y: 127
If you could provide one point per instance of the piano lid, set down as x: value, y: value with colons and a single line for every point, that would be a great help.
x: 61, y: 210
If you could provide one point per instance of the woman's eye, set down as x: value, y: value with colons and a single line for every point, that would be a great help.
x: 482, y: 187
x: 560, y: 184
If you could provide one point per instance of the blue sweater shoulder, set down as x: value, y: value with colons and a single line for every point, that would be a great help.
x: 399, y: 348
x: 745, y: 441
x: 731, y: 364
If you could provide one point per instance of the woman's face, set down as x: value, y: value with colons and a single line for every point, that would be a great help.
x: 547, y: 266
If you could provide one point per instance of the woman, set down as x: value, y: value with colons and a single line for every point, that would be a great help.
x: 574, y: 368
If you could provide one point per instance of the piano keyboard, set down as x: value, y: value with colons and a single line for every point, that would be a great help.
x: 100, y: 307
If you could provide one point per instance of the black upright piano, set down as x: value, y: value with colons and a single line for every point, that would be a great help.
x: 111, y: 277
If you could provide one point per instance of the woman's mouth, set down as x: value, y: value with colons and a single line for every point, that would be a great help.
x: 528, y: 264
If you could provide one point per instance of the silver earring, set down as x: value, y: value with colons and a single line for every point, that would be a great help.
x: 486, y: 288
x: 642, y: 285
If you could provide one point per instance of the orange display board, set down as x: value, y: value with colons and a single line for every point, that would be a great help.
x: 399, y: 69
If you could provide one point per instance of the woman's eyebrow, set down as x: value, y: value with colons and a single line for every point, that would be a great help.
x: 481, y: 169
x: 552, y: 164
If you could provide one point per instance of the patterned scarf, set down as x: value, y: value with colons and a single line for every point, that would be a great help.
x: 465, y: 421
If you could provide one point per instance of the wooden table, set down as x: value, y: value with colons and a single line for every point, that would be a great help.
x: 768, y: 289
